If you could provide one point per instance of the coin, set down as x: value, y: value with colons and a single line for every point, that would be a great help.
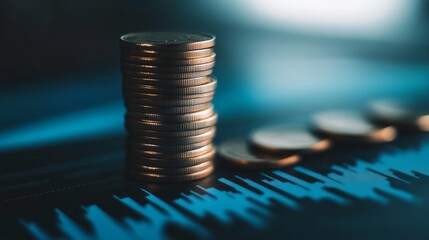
x: 402, y: 113
x: 192, y: 54
x: 195, y: 116
x: 160, y: 61
x: 170, y: 102
x: 167, y: 69
x: 128, y: 94
x: 167, y: 148
x: 167, y: 110
x: 172, y: 178
x: 176, y: 140
x: 352, y: 127
x: 165, y: 126
x: 175, y: 41
x: 287, y: 138
x: 237, y: 153
x: 176, y: 155
x: 139, y: 168
x: 172, y: 134
x: 161, y: 75
x: 203, y: 88
x: 167, y: 83
x: 149, y: 160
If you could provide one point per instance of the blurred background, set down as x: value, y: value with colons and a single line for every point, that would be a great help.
x: 60, y: 74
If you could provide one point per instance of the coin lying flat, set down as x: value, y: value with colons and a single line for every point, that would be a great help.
x: 203, y: 88
x: 165, y: 126
x: 140, y: 168
x: 167, y: 83
x: 188, y: 117
x: 237, y: 153
x: 170, y: 110
x: 174, y: 41
x: 148, y: 160
x: 159, y: 61
x: 207, y: 136
x: 192, y: 54
x: 287, y: 138
x: 401, y: 113
x: 159, y: 178
x: 168, y: 75
x: 351, y: 126
x: 167, y: 69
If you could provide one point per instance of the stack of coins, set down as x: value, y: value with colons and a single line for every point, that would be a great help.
x: 168, y: 89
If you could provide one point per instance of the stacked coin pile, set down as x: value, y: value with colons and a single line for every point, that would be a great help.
x: 168, y: 89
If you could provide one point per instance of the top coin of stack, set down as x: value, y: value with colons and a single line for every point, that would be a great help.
x: 168, y: 89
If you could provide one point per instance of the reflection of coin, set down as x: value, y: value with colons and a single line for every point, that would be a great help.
x: 152, y: 177
x: 237, y: 153
x: 174, y: 41
x: 401, y: 113
x: 287, y: 138
x: 351, y: 126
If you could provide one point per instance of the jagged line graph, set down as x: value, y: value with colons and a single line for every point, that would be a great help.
x: 362, y: 180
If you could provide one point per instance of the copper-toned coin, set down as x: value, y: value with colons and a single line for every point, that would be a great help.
x: 203, y: 88
x: 351, y: 126
x: 287, y: 138
x: 168, y: 134
x: 187, y: 117
x: 149, y: 160
x: 162, y: 75
x: 171, y: 178
x: 207, y: 136
x: 135, y: 96
x: 174, y: 41
x: 167, y: 83
x: 160, y: 61
x: 192, y: 54
x: 167, y: 110
x: 167, y: 69
x: 237, y: 153
x: 409, y: 114
x: 140, y: 168
x: 167, y: 148
x: 176, y: 155
x: 169, y: 102
x: 165, y: 126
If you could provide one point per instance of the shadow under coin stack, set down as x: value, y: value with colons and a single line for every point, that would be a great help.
x: 168, y: 89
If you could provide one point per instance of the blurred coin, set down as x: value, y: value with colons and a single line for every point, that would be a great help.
x: 207, y: 136
x: 172, y: 178
x: 167, y: 69
x: 237, y: 153
x: 167, y: 148
x: 402, y: 113
x: 170, y: 134
x: 165, y: 126
x: 161, y: 75
x: 351, y: 126
x: 160, y: 61
x: 167, y: 110
x: 188, y: 117
x: 175, y: 41
x: 287, y: 138
x: 139, y: 168
x: 148, y: 160
x: 167, y: 83
x: 170, y: 102
x: 203, y: 88
x: 200, y: 53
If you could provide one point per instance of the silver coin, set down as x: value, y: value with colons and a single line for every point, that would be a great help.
x: 351, y: 126
x: 287, y: 138
x: 160, y: 61
x: 167, y: 69
x: 165, y: 126
x: 207, y: 136
x: 187, y: 117
x: 203, y: 88
x: 237, y: 153
x: 402, y: 113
